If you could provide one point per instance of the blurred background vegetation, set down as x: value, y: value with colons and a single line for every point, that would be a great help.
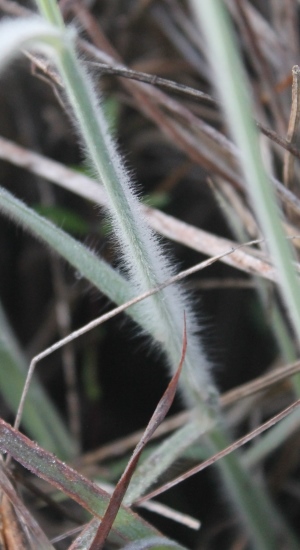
x: 107, y: 384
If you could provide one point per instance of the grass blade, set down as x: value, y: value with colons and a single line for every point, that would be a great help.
x: 39, y: 414
x: 128, y: 526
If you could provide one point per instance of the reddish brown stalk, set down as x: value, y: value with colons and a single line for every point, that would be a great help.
x: 121, y: 487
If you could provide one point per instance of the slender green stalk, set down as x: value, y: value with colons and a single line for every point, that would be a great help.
x: 260, y: 517
x: 49, y: 11
x: 141, y: 254
x: 231, y: 83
